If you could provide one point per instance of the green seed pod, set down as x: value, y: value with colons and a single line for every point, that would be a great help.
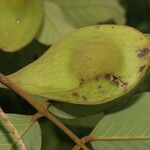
x: 92, y: 65
x: 19, y: 22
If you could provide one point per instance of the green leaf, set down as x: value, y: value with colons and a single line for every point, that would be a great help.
x: 54, y: 25
x: 129, y: 120
x: 29, y: 131
x: 82, y: 12
x: 59, y: 113
x: 19, y: 22
x: 50, y: 138
x: 87, y: 122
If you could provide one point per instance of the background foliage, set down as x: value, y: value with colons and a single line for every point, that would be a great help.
x: 60, y: 18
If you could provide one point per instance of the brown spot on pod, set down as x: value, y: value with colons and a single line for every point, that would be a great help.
x: 96, y: 77
x: 109, y: 77
x: 82, y: 81
x: 120, y: 84
x: 98, y: 26
x: 143, y: 52
x: 141, y: 69
x: 99, y: 87
x: 116, y: 81
x: 75, y: 94
x: 141, y: 38
x: 115, y: 78
x: 84, y: 98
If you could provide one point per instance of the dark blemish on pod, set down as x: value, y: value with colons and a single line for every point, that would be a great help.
x: 143, y: 52
x: 141, y: 69
x: 89, y: 58
x: 84, y: 98
x: 4, y: 48
x: 141, y: 38
x: 99, y: 87
x: 75, y: 94
x: 110, y: 77
x: 96, y: 77
x: 115, y: 78
x: 82, y: 81
x: 98, y: 26
x: 116, y: 81
x: 120, y: 84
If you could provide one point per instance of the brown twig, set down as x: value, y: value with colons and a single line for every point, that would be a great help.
x: 38, y: 114
x: 13, y: 130
x: 84, y: 139
x: 7, y: 82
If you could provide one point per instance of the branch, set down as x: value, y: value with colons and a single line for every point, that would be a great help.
x: 7, y: 82
x: 13, y: 130
x: 38, y: 115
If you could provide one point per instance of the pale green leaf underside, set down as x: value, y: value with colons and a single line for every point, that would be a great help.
x: 62, y: 17
x: 54, y: 25
x: 131, y: 122
x: 56, y: 111
x: 82, y: 12
x: 59, y: 113
x: 31, y: 133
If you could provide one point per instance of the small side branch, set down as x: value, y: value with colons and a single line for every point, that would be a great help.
x: 12, y: 130
x: 39, y: 115
x: 44, y: 112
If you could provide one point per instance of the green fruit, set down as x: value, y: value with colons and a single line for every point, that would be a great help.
x: 19, y: 22
x: 92, y: 65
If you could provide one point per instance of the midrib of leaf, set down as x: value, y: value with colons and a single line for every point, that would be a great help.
x: 128, y: 119
x: 113, y: 138
x: 135, y: 126
x: 20, y: 133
